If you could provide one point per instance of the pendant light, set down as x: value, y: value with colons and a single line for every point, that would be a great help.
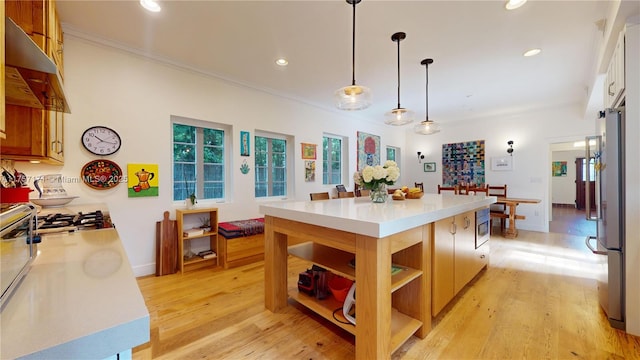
x: 427, y: 127
x: 353, y: 97
x: 398, y: 116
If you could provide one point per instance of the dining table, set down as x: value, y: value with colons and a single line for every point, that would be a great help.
x: 511, y: 232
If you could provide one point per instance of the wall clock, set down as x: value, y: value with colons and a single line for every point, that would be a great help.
x: 101, y: 174
x: 101, y: 140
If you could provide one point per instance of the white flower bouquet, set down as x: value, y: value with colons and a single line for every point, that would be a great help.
x: 371, y: 177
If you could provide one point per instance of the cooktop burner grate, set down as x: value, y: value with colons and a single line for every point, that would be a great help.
x: 72, y: 222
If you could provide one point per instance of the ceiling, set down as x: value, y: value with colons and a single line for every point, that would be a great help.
x: 477, y: 48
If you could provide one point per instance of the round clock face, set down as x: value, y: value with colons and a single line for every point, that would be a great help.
x: 101, y: 140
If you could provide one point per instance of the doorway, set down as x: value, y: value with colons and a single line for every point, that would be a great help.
x: 568, y: 191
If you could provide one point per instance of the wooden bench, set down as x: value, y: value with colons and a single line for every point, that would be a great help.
x: 241, y: 242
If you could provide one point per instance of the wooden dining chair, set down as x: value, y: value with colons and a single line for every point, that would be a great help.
x: 447, y: 188
x: 346, y: 194
x: 319, y: 196
x: 463, y: 189
x: 364, y: 192
x: 475, y: 189
x: 420, y: 186
x: 498, y: 211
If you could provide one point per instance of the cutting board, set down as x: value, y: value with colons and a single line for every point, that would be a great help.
x: 166, y: 246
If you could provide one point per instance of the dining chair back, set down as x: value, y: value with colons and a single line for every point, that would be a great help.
x: 475, y: 189
x: 420, y: 186
x: 346, y: 194
x: 364, y: 192
x: 447, y: 188
x: 497, y: 211
x: 319, y: 196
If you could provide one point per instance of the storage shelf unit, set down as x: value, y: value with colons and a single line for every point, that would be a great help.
x: 406, y: 252
x: 187, y: 219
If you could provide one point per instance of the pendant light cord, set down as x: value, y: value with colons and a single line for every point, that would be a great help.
x: 353, y: 47
x: 426, y: 87
x: 398, y: 41
x: 426, y: 63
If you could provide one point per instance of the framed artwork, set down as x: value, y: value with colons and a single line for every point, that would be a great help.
x: 559, y: 168
x: 142, y: 180
x: 309, y: 171
x: 308, y: 151
x: 463, y: 163
x: 429, y: 167
x: 244, y: 143
x: 368, y: 150
x: 502, y: 163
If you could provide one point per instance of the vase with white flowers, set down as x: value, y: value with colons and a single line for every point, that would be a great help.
x: 376, y: 178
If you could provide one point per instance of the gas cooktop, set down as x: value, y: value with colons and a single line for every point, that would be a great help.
x: 73, y: 222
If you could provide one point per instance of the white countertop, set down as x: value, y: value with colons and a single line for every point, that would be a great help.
x: 80, y: 300
x: 359, y: 215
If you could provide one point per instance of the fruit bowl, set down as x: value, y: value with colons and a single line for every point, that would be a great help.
x: 414, y: 195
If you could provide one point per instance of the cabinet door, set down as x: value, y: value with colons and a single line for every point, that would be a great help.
x: 55, y: 148
x: 465, y: 254
x: 442, y: 279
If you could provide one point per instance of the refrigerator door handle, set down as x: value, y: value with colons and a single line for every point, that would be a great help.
x: 587, y: 186
x: 587, y: 241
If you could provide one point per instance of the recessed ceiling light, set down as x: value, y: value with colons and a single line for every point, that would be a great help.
x: 532, y: 52
x: 150, y: 5
x: 514, y: 4
x: 282, y: 62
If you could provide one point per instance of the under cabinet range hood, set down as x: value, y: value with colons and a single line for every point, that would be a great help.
x: 32, y: 79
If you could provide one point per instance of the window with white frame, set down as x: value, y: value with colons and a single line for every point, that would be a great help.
x: 272, y: 164
x: 332, y: 159
x: 199, y: 159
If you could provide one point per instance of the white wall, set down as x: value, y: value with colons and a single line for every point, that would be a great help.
x: 531, y: 132
x: 563, y: 188
x: 137, y: 97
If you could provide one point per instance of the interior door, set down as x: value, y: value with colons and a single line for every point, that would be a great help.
x: 580, y: 181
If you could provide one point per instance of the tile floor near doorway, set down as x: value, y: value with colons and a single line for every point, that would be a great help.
x: 569, y: 220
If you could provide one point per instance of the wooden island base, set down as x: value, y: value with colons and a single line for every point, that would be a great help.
x: 389, y: 309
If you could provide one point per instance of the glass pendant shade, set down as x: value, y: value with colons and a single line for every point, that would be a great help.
x: 398, y: 116
x: 426, y: 127
x: 352, y: 97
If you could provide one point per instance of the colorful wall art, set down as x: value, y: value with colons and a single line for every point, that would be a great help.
x: 309, y: 170
x: 463, y: 163
x: 559, y: 168
x: 142, y: 180
x: 368, y: 150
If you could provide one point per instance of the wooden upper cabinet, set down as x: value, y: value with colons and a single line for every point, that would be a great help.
x: 54, y: 36
x: 33, y: 134
x: 30, y: 16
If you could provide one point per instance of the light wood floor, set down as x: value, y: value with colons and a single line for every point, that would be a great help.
x: 536, y: 300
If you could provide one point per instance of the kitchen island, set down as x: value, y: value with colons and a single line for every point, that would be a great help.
x: 389, y: 309
x: 80, y: 300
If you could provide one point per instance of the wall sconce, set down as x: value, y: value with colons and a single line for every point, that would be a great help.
x: 510, y: 149
x: 420, y: 157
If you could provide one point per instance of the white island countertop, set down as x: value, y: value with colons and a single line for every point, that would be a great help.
x: 361, y: 216
x: 80, y: 300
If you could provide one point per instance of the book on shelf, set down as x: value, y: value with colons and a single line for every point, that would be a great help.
x: 193, y: 232
x: 207, y: 254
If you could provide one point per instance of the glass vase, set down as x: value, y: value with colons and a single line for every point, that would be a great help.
x: 379, y: 193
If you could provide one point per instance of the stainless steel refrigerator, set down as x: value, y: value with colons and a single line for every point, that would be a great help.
x: 609, y: 160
